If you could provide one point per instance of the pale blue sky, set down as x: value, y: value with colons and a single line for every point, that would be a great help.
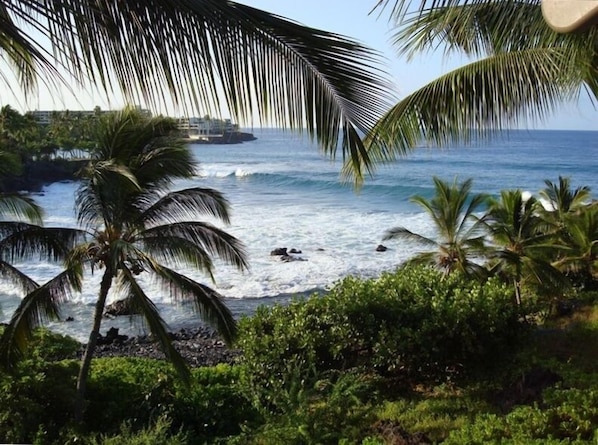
x: 351, y: 18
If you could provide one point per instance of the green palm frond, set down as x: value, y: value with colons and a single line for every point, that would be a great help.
x: 207, y: 237
x: 483, y: 28
x: 40, y: 305
x: 474, y: 100
x: 31, y: 241
x: 205, y: 301
x: 13, y: 205
x: 143, y: 305
x: 562, y: 198
x: 10, y: 273
x: 100, y: 198
x: 405, y: 234
x: 188, y: 203
x: 188, y: 50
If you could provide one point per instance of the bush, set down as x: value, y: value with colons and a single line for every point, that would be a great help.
x: 411, y: 324
x: 37, y: 396
x: 142, y: 390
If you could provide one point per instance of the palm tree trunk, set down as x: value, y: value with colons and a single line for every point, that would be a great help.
x: 91, y: 344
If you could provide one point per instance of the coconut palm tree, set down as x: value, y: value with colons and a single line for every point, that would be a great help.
x: 207, y: 55
x: 136, y: 226
x: 459, y: 239
x: 580, y: 259
x: 517, y: 73
x: 522, y: 251
x: 560, y: 200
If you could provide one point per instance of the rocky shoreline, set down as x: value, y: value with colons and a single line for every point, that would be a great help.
x: 199, y: 347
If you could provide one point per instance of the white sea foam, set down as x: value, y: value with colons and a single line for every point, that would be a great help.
x: 299, y: 204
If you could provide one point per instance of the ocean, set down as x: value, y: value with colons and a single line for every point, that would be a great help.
x: 284, y: 193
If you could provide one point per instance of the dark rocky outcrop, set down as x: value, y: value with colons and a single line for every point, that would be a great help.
x: 198, y: 346
x: 286, y: 254
x: 37, y: 174
x: 279, y: 251
x: 118, y: 308
x: 381, y: 248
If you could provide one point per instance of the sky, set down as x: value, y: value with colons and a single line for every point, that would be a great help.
x: 348, y: 17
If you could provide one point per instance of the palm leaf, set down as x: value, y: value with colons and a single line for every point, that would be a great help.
x: 209, y: 238
x: 18, y: 206
x: 205, y: 301
x: 479, y: 29
x: 40, y: 305
x: 405, y: 234
x: 477, y: 99
x: 141, y: 304
x: 187, y: 50
x: 10, y: 273
x: 31, y: 241
x: 188, y: 203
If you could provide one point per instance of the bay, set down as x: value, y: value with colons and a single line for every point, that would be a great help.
x: 284, y: 193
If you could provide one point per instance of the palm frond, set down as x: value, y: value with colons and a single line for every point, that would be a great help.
x: 13, y: 205
x: 51, y: 244
x: 10, y: 273
x: 105, y: 185
x: 496, y: 93
x: 405, y: 234
x: 38, y: 306
x: 478, y: 29
x: 209, y: 238
x: 188, y: 203
x: 205, y: 301
x: 142, y: 304
x: 186, y: 50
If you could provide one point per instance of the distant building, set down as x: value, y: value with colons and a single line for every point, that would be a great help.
x: 205, y: 127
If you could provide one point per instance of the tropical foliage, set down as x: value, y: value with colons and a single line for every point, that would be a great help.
x: 522, y: 250
x: 460, y: 240
x: 206, y: 55
x: 547, y: 244
x: 517, y: 73
x: 133, y: 224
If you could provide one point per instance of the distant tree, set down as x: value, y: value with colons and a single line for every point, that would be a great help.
x: 460, y: 241
x: 522, y: 250
x: 580, y: 258
x: 562, y: 200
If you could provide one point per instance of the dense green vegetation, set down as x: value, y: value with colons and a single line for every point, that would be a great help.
x: 409, y: 354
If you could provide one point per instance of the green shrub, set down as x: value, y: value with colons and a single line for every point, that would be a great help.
x: 37, y: 401
x: 332, y: 411
x: 411, y: 323
x: 566, y: 416
x: 140, y: 390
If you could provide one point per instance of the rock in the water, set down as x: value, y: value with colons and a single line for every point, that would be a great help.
x: 119, y: 307
x: 293, y: 250
x: 381, y: 248
x: 279, y: 251
x: 291, y: 258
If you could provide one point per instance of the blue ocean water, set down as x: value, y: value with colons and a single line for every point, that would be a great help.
x: 284, y: 193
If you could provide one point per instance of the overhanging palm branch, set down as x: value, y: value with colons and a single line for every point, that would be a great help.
x: 40, y: 305
x: 140, y: 303
x: 477, y: 99
x: 525, y: 71
x: 21, y: 207
x: 189, y: 50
